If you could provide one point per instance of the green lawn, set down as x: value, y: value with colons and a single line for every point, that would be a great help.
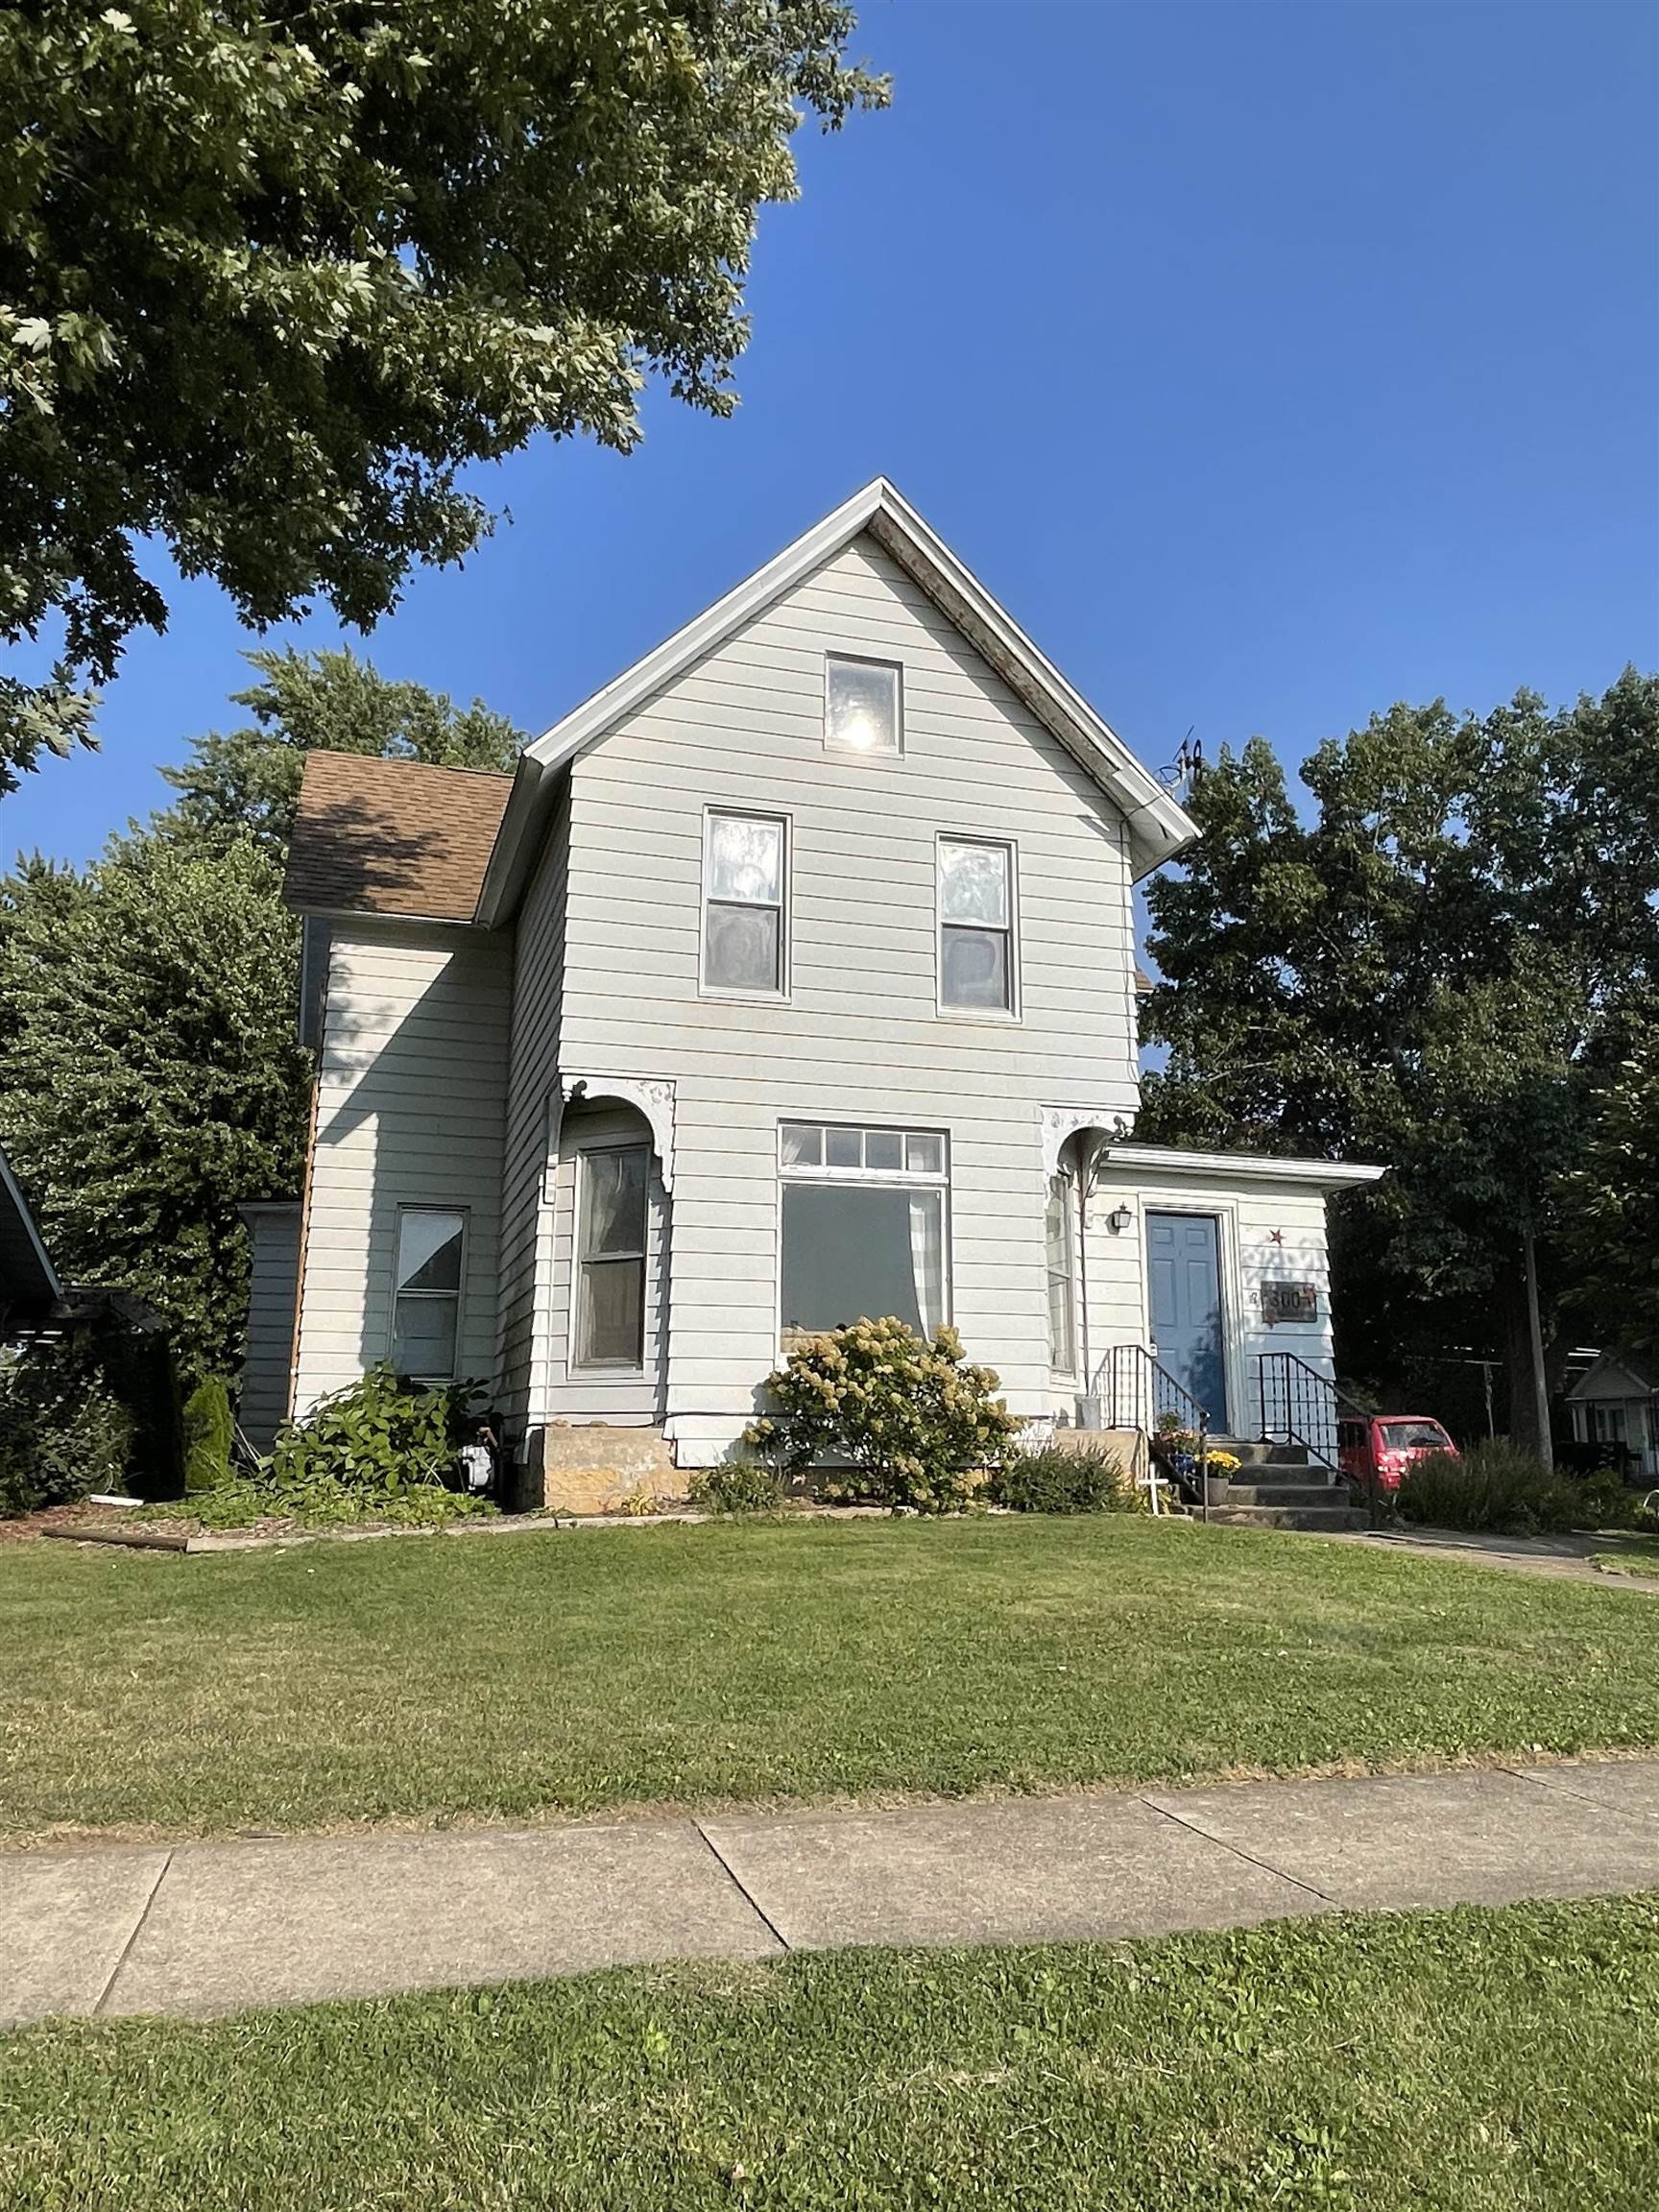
x: 1629, y: 1553
x: 1470, y: 2062
x: 498, y: 1675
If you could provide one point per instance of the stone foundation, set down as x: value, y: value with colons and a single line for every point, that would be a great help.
x: 1128, y: 1445
x: 593, y: 1468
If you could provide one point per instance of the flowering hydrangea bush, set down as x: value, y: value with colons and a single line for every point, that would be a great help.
x: 917, y: 1424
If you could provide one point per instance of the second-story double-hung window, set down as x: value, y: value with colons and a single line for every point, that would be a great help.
x: 745, y: 903
x: 977, y: 948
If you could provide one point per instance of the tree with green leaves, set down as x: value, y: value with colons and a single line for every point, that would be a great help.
x: 1609, y: 1207
x: 272, y: 275
x: 246, y: 782
x: 151, y: 1078
x: 1428, y: 972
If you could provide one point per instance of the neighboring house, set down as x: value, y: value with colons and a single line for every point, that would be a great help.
x: 32, y: 1297
x: 1611, y: 1403
x: 789, y: 978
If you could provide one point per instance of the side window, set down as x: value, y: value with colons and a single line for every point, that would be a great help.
x: 863, y: 705
x: 426, y: 1304
x: 976, y: 950
x: 745, y: 859
x: 613, y: 1190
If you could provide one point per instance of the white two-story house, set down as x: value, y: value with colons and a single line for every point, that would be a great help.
x: 790, y: 978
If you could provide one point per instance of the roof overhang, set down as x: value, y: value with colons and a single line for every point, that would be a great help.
x: 1241, y: 1166
x: 29, y: 1280
x: 1158, y: 825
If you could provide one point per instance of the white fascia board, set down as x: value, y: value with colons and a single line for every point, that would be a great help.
x: 1158, y: 825
x: 1243, y: 1166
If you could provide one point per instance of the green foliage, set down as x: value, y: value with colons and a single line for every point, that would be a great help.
x: 274, y: 275
x: 382, y: 1450
x: 1500, y: 1488
x: 919, y: 1425
x: 150, y: 1077
x: 208, y: 1435
x: 64, y: 1433
x: 322, y: 1502
x: 1432, y: 971
x: 246, y: 782
x: 1610, y: 1205
x: 1055, y: 1481
x: 381, y: 1434
x: 738, y: 1486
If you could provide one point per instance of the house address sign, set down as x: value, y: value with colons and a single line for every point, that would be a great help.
x: 1290, y: 1302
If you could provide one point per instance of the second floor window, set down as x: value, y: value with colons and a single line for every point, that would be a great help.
x: 977, y: 926
x: 745, y: 856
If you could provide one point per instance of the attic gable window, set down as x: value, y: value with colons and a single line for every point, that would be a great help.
x: 863, y: 705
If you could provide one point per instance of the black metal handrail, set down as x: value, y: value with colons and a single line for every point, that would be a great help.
x: 1301, y: 1406
x: 1135, y: 1392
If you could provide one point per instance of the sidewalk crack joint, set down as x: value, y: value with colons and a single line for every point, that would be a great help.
x: 1249, y: 1858
x: 748, y: 1896
x: 137, y: 1931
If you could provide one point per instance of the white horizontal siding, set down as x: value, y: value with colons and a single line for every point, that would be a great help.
x: 411, y: 1095
x: 861, y: 1038
x: 1251, y: 1215
x: 526, y: 1238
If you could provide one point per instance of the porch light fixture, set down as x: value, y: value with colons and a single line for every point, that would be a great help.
x: 1118, y: 1220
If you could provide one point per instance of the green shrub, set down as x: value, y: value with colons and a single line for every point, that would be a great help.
x: 383, y: 1433
x: 1054, y: 1479
x: 64, y: 1431
x: 1497, y: 1487
x: 325, y: 1503
x: 919, y: 1425
x: 384, y: 1449
x: 739, y: 1486
x: 208, y: 1434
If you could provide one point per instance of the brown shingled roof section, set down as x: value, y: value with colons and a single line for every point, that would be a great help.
x: 375, y: 836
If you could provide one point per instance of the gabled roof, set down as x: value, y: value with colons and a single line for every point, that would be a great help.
x: 1159, y: 828
x: 374, y: 836
x: 1610, y: 1376
x: 29, y: 1282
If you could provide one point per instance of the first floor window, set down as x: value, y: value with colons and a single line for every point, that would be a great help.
x: 743, y: 904
x: 612, y: 1208
x: 864, y: 1227
x: 976, y: 926
x: 426, y: 1307
x: 1060, y: 1238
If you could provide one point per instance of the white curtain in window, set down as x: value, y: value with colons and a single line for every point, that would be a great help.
x: 926, y: 1259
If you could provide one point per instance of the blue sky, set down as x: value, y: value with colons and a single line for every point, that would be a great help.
x: 1269, y: 362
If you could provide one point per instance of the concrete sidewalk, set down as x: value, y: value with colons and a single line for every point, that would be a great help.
x: 205, y: 1927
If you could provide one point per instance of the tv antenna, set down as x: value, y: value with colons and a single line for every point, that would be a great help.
x: 1186, y: 765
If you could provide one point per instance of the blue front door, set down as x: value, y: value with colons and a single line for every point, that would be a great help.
x: 1183, y: 1286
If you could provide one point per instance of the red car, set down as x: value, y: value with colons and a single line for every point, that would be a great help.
x: 1380, y: 1450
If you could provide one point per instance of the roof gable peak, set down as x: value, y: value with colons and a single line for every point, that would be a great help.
x: 1158, y: 825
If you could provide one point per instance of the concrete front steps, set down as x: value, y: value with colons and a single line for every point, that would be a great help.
x: 1275, y: 1488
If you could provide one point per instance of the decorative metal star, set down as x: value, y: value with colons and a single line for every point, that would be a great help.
x: 1275, y: 1235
